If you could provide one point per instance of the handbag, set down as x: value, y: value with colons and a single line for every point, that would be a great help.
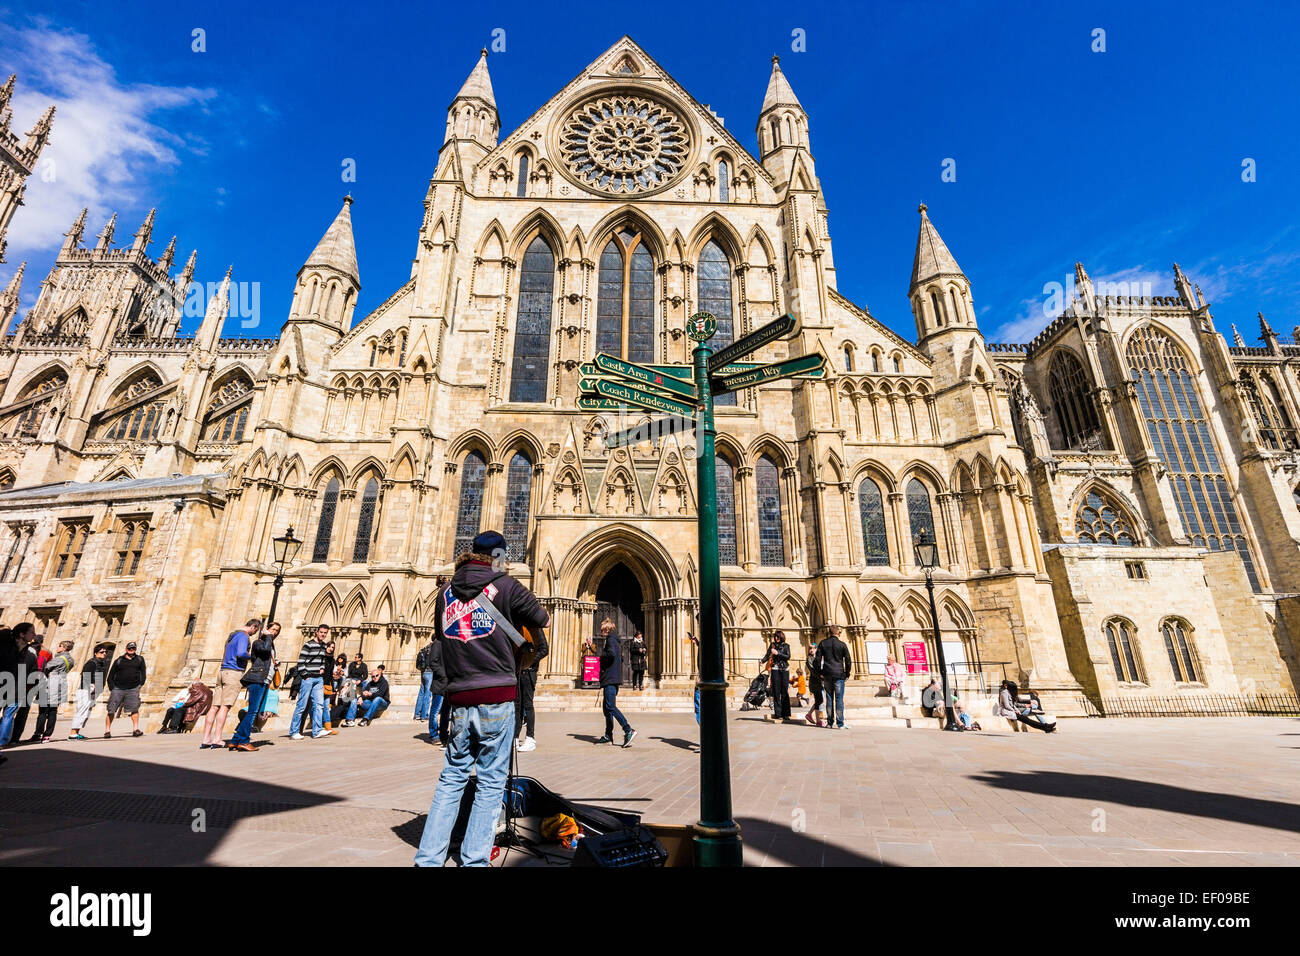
x: 276, y: 679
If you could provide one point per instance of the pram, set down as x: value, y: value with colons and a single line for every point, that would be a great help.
x: 758, y: 694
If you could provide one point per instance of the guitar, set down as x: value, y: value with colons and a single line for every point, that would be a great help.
x: 526, y: 651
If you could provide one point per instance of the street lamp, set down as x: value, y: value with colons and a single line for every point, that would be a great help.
x: 286, y: 549
x: 927, y: 556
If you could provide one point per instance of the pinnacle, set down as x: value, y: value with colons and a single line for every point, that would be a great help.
x: 932, y: 255
x: 337, y: 250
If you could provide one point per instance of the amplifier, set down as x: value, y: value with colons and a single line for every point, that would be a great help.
x: 632, y: 846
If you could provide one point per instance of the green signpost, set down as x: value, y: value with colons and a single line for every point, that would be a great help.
x: 778, y: 328
x: 648, y: 431
x: 802, y: 365
x: 645, y: 376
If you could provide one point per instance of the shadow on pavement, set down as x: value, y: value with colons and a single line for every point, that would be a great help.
x: 1155, y: 796
x: 791, y: 848
x: 680, y: 743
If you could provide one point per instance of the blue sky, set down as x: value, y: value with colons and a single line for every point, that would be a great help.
x: 1128, y: 160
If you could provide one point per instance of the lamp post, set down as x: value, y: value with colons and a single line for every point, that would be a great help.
x: 286, y: 549
x: 927, y: 556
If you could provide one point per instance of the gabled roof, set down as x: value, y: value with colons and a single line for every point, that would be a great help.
x: 932, y: 257
x: 336, y: 249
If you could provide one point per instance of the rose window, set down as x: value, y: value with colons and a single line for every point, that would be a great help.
x: 624, y: 144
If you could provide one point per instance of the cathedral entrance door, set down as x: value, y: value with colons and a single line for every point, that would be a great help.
x: 619, y: 598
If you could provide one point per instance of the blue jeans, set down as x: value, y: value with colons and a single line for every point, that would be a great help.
x: 834, y: 690
x: 313, y: 688
x: 697, y: 706
x: 373, y: 707
x: 480, y: 740
x: 256, y: 701
x: 424, y: 696
x: 609, y: 705
x: 435, y: 708
x: 7, y: 723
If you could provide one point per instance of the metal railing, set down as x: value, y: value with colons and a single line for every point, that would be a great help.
x: 1200, y: 705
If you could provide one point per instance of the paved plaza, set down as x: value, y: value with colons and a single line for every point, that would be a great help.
x: 1219, y: 792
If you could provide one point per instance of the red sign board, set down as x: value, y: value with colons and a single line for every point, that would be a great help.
x: 914, y: 656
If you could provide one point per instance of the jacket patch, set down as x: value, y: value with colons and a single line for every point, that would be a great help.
x: 465, y: 621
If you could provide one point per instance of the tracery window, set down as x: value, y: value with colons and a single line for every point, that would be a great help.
x: 1182, y: 660
x: 22, y: 538
x: 28, y: 421
x: 1180, y: 434
x: 1076, y: 412
x: 1119, y: 639
x: 138, y: 425
x: 533, y: 323
x: 1269, y: 412
x: 919, y: 513
x: 728, y: 551
x: 71, y: 545
x: 872, y: 510
x: 469, y: 511
x: 771, y: 538
x: 132, y: 536
x: 715, y: 296
x: 1099, y: 522
x: 365, y: 521
x: 625, y: 298
x: 222, y: 422
x: 325, y: 524
x: 519, y: 494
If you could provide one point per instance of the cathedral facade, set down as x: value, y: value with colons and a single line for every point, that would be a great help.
x: 1113, y: 502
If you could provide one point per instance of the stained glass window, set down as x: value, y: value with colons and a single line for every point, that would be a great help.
x: 325, y: 526
x: 473, y: 474
x: 871, y: 506
x: 771, y: 539
x: 715, y: 296
x: 640, y: 307
x: 1181, y: 659
x: 848, y: 359
x: 365, y: 521
x: 1119, y: 638
x: 1179, y: 432
x: 1098, y: 522
x: 533, y: 324
x: 609, y: 301
x: 728, y: 552
x: 724, y: 186
x: 1076, y: 413
x: 918, y: 509
x: 132, y: 534
x: 519, y: 490
x: 521, y: 188
x: 626, y: 289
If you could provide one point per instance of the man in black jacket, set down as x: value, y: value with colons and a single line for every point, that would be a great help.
x: 524, y: 712
x: 93, y: 677
x: 834, y: 664
x: 611, y: 676
x: 373, y: 697
x: 125, y: 678
x: 473, y: 620
x: 778, y: 652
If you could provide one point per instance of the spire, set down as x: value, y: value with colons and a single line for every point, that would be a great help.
x: 9, y: 298
x: 1237, y: 340
x: 168, y: 257
x: 1083, y: 288
x: 38, y: 134
x: 16, y: 283
x: 478, y: 85
x: 106, y: 237
x: 144, y: 235
x: 1267, y: 334
x: 214, y: 319
x: 75, y: 233
x: 336, y: 250
x: 779, y: 92
x: 188, y: 272
x: 932, y: 257
x: 7, y: 90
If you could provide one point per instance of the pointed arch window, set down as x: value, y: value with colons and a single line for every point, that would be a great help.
x: 469, y: 511
x: 1098, y: 521
x: 365, y: 522
x: 625, y: 298
x: 898, y: 365
x: 1070, y: 391
x: 724, y: 182
x: 871, y: 507
x: 938, y: 310
x: 919, y: 513
x: 1179, y: 431
x: 771, y: 537
x: 875, y: 362
x: 521, y: 188
x: 728, y: 551
x: 374, y: 352
x: 1182, y: 659
x: 714, y: 282
x: 1269, y: 411
x: 325, y: 524
x: 1119, y: 640
x: 533, y: 323
x: 519, y: 492
x: 401, y: 349
x: 848, y: 358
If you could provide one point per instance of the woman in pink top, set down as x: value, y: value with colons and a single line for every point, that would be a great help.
x: 894, y: 677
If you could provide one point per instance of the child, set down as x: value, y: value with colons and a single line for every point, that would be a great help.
x: 800, y: 683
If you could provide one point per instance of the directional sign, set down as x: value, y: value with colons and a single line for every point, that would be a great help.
x: 587, y: 384
x: 635, y: 396
x: 589, y: 404
x: 685, y: 372
x: 644, y: 376
x: 769, y: 373
x: 649, y: 431
x: 752, y: 342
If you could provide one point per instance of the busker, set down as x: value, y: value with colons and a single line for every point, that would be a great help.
x: 476, y: 619
x: 833, y: 663
x: 93, y: 678
x: 778, y: 654
x: 261, y: 670
x: 234, y: 659
x: 125, y: 678
x: 611, y: 676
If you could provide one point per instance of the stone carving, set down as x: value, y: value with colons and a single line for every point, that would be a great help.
x: 623, y: 144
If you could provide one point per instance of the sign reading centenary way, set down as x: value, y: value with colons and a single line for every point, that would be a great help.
x: 803, y: 365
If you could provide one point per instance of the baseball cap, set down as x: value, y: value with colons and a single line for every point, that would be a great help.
x: 131, y: 646
x: 486, y: 542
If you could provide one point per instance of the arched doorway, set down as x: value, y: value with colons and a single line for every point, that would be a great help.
x: 619, y: 598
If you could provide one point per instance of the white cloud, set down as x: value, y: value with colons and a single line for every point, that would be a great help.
x: 104, y: 143
x: 1035, y: 314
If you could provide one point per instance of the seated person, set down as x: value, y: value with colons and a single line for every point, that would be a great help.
x: 174, y: 719
x: 894, y: 675
x: 931, y: 698
x: 373, y: 697
x: 963, y: 715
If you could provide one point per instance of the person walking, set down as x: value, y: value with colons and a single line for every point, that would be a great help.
x: 814, y: 715
x: 94, y: 675
x: 425, y: 696
x: 439, y: 709
x: 234, y: 660
x: 476, y: 619
x: 637, y: 652
x: 524, y: 711
x: 778, y: 655
x: 834, y: 663
x: 125, y: 678
x: 611, y: 678
x: 312, y: 661
x: 12, y: 677
x: 27, y: 676
x: 261, y: 670
x: 56, y: 674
